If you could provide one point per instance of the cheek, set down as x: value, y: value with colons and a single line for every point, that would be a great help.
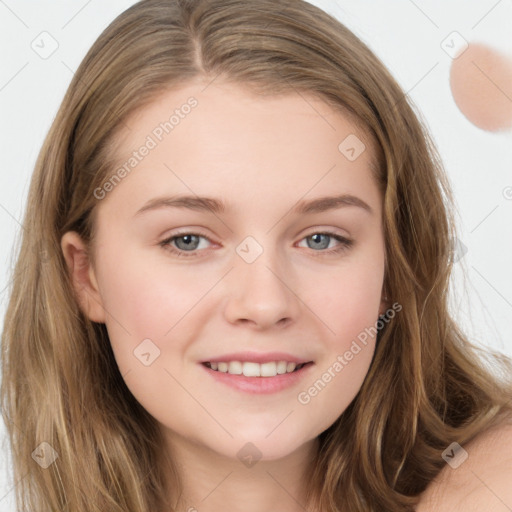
x: 334, y: 387
x: 145, y: 301
x: 347, y: 302
x: 351, y: 313
x: 347, y: 299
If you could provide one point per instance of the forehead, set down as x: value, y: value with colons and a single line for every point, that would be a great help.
x: 224, y: 106
x: 221, y: 139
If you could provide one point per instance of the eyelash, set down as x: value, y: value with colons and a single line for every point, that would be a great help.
x: 345, y: 244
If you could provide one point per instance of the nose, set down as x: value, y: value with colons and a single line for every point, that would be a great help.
x: 261, y: 294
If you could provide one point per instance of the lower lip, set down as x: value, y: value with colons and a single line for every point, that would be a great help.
x: 260, y: 385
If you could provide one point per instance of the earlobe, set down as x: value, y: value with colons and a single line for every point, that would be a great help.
x: 384, y: 305
x: 82, y: 276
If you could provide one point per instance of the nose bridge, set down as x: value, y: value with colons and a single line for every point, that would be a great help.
x: 259, y: 287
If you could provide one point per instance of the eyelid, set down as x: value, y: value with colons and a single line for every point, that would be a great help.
x: 166, y: 243
x: 344, y: 242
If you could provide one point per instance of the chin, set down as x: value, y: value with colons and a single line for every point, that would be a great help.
x: 265, y: 447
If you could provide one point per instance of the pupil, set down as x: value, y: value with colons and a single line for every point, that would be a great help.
x: 316, y: 240
x: 186, y: 240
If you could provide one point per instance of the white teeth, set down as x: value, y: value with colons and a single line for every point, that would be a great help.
x: 269, y: 369
x: 250, y: 369
x: 235, y: 368
x: 281, y: 367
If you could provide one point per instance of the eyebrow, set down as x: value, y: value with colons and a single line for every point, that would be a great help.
x: 216, y: 206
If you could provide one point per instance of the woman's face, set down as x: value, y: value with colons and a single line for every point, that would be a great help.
x: 248, y: 274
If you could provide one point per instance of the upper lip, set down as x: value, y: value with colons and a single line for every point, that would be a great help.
x: 257, y: 357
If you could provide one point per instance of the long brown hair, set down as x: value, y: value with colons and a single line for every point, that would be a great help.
x: 426, y: 387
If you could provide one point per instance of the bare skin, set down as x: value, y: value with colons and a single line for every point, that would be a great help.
x: 481, y: 482
x: 261, y: 156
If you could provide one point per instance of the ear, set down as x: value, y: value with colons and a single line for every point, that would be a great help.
x: 82, y: 276
x: 384, y: 304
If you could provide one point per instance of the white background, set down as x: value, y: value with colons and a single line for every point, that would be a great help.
x: 405, y: 34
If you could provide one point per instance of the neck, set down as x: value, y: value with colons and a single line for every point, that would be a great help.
x: 211, y: 482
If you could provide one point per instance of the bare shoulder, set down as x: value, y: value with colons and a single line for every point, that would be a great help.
x: 482, y: 481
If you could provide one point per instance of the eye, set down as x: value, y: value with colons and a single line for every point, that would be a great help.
x: 185, y: 243
x: 188, y: 244
x: 322, y: 241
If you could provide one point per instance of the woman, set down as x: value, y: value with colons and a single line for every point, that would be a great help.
x: 257, y: 367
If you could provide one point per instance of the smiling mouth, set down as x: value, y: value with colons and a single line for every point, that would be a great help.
x: 250, y: 369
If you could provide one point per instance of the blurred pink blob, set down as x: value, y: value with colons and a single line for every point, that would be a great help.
x: 481, y: 84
